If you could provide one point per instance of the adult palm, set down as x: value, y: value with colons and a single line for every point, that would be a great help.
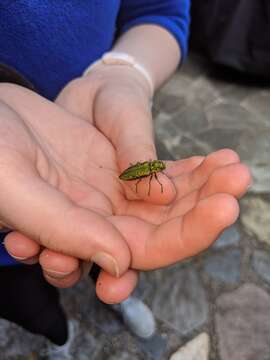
x: 60, y: 171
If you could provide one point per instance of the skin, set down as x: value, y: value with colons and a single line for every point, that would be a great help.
x: 42, y: 178
x: 60, y: 190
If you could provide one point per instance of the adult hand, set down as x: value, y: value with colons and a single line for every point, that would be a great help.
x: 58, y: 186
x: 206, y: 188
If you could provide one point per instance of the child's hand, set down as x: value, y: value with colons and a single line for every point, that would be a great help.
x: 115, y: 99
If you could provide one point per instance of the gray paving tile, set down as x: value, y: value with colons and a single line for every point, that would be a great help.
x: 256, y: 217
x: 242, y: 324
x: 261, y: 264
x: 230, y: 236
x: 224, y: 267
x: 178, y: 298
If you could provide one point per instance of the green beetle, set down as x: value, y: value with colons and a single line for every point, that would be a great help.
x: 142, y: 170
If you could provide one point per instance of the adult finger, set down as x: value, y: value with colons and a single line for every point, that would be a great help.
x: 62, y: 269
x: 154, y: 246
x: 65, y: 282
x: 44, y: 214
x: 180, y: 167
x: 194, y: 180
x: 21, y: 248
x: 113, y: 291
x: 234, y: 179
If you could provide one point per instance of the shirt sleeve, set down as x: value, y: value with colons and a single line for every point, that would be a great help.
x: 172, y: 15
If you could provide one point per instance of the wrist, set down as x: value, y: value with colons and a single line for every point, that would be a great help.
x: 121, y: 78
x: 123, y: 61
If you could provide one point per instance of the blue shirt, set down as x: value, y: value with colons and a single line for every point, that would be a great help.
x: 51, y: 42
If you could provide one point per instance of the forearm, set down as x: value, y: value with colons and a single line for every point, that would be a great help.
x: 153, y: 47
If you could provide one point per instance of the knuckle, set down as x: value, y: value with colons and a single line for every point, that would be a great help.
x: 72, y: 87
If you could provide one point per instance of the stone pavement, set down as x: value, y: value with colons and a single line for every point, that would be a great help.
x: 215, y: 306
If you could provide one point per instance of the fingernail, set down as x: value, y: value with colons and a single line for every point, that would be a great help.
x: 19, y: 258
x: 56, y: 274
x: 106, y: 262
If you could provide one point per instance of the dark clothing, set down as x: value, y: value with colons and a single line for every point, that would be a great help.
x: 29, y: 301
x: 235, y: 33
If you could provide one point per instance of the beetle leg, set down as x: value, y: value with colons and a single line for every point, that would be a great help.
x: 137, y: 184
x: 156, y: 177
x: 149, y: 188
